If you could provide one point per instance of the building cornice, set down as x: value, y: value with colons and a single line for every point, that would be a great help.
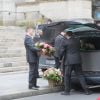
x: 26, y: 3
x: 37, y: 2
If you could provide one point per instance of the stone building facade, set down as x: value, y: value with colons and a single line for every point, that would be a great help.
x: 13, y: 11
x: 96, y: 9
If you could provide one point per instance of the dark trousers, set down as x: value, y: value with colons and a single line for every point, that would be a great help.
x: 67, y: 76
x: 57, y: 63
x: 33, y: 74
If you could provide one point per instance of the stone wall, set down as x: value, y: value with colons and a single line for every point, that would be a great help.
x: 1, y: 12
x: 67, y: 9
x: 29, y: 10
x: 57, y: 10
x: 12, y: 50
x: 61, y: 10
x: 8, y: 12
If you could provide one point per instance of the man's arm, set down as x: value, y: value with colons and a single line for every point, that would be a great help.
x: 62, y: 49
x: 30, y: 44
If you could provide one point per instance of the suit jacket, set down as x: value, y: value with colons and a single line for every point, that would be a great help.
x: 31, y: 50
x: 70, y: 49
x: 57, y: 45
x: 36, y: 39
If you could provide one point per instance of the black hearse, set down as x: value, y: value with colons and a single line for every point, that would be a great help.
x: 90, y: 50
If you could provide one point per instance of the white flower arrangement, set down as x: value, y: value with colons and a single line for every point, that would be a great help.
x: 53, y: 74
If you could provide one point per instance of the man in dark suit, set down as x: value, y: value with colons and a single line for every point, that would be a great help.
x: 57, y: 46
x: 32, y: 58
x: 70, y: 49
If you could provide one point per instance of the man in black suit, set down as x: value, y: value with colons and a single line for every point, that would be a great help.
x: 57, y: 46
x: 32, y: 58
x: 70, y: 49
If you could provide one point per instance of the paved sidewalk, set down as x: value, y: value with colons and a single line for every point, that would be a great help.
x: 15, y: 85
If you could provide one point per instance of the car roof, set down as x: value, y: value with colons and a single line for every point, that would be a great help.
x: 57, y: 27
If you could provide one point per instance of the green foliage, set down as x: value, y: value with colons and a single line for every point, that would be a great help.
x: 25, y: 24
x: 54, y: 77
x: 1, y: 23
x: 53, y: 74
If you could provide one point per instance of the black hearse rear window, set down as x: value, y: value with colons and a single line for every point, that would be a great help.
x: 90, y: 43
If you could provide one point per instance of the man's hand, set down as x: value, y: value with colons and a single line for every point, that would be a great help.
x: 39, y: 53
x: 60, y: 61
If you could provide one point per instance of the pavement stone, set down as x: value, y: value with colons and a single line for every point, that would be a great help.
x: 15, y: 85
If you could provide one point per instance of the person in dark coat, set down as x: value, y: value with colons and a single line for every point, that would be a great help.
x: 70, y: 49
x: 57, y: 46
x: 38, y: 35
x: 32, y: 58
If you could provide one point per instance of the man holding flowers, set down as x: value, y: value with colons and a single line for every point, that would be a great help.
x: 32, y: 58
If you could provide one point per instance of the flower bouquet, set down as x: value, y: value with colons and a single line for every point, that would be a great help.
x: 47, y: 49
x: 53, y: 76
x: 40, y: 45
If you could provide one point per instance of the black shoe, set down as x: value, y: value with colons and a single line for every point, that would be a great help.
x: 39, y: 77
x: 37, y: 86
x: 88, y: 92
x: 65, y: 93
x: 34, y: 88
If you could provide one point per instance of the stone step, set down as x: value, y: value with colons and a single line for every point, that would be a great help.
x: 13, y: 69
x: 3, y: 47
x: 12, y: 36
x: 14, y: 42
x: 11, y: 40
x: 12, y: 50
x: 8, y: 39
x: 11, y: 33
x: 13, y: 64
x: 17, y: 33
x: 20, y: 51
x: 11, y: 44
x: 12, y: 59
x: 16, y: 39
x: 5, y: 34
x: 11, y: 27
x: 3, y: 40
x: 10, y: 47
x: 13, y: 30
x: 4, y: 55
